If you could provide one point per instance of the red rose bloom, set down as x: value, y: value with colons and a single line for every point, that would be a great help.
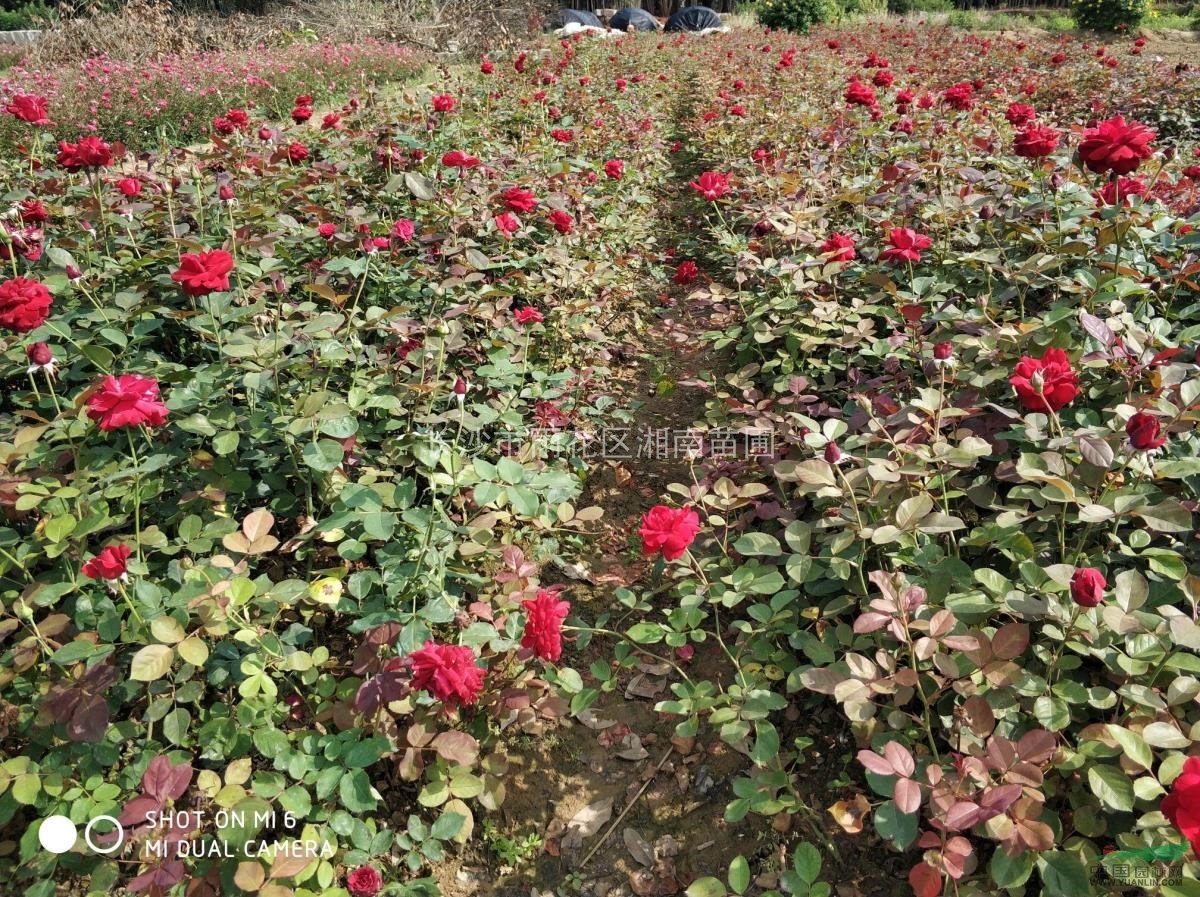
x: 130, y: 187
x: 562, y: 135
x: 238, y: 118
x: 201, y: 273
x: 905, y: 245
x: 507, y: 223
x: 1019, y: 114
x: 129, y: 400
x: 326, y: 229
x: 1116, y: 146
x: 1145, y: 432
x: 365, y: 881
x: 1182, y: 805
x: 89, y: 152
x: 487, y: 66
x: 1087, y: 587
x: 24, y: 304
x: 223, y: 126
x: 109, y: 564
x: 39, y: 355
x: 615, y: 169
x: 403, y: 229
x: 527, y: 315
x: 1036, y: 141
x: 686, y: 273
x: 28, y: 108
x: 859, y: 94
x: 459, y: 159
x: 32, y: 212
x: 1119, y: 190
x: 448, y: 672
x: 519, y: 200
x: 961, y: 96
x: 331, y: 122
x: 712, y: 185
x: 543, y: 625
x: 562, y: 221
x: 1047, y: 383
x: 297, y: 152
x: 839, y: 247
x: 301, y: 114
x: 668, y: 531
x: 443, y: 102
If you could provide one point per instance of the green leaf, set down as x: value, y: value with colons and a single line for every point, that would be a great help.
x: 739, y: 874
x: 807, y: 862
x: 1134, y: 745
x: 323, y: 455
x: 364, y: 753
x: 355, y: 792
x: 1011, y: 872
x: 447, y: 826
x: 1063, y: 874
x: 706, y: 887
x: 899, y: 828
x: 761, y: 544
x: 1112, y: 786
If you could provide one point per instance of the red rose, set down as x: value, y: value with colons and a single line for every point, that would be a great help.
x: 331, y: 122
x: 543, y: 625
x: 130, y: 187
x: 326, y: 229
x: 1019, y: 114
x: 448, y: 672
x: 201, y: 273
x: 109, y: 564
x: 32, y: 211
x: 615, y: 169
x: 839, y: 248
x: 238, y: 118
x: 28, y: 108
x: 404, y: 229
x: 1047, y: 383
x: 943, y: 351
x: 527, y: 315
x: 297, y: 152
x: 305, y: 99
x: 1182, y: 805
x: 1145, y: 432
x: 1087, y: 587
x: 668, y: 531
x: 89, y: 152
x: 859, y: 94
x: 519, y: 200
x: 905, y: 245
x: 1036, y: 141
x: 712, y: 185
x: 959, y: 96
x: 24, y: 304
x: 223, y: 126
x: 129, y: 400
x: 562, y: 135
x: 487, y: 66
x: 562, y: 221
x: 507, y: 223
x: 459, y: 159
x: 443, y: 102
x: 365, y: 881
x: 301, y: 114
x: 1119, y: 190
x: 39, y: 355
x: 686, y: 273
x: 1116, y: 146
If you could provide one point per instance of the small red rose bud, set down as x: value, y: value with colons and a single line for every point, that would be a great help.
x: 39, y: 354
x: 1087, y: 587
x: 833, y: 454
x: 943, y: 351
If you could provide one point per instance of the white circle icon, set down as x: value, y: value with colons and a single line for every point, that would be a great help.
x: 120, y: 833
x: 57, y: 834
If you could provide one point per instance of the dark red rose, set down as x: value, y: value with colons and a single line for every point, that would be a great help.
x: 615, y: 169
x: 365, y: 881
x: 520, y: 200
x: 1087, y: 587
x: 24, y: 304
x: 562, y: 221
x: 1047, y: 383
x: 444, y: 102
x: 297, y: 152
x: 1036, y: 141
x: 1145, y: 432
x: 130, y: 187
x: 1116, y: 145
x: 1019, y: 114
x: 459, y: 159
x: 301, y: 114
x: 39, y: 355
x: 89, y: 152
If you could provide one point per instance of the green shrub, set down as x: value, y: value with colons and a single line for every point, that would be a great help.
x: 795, y: 15
x: 24, y: 16
x: 1109, y: 15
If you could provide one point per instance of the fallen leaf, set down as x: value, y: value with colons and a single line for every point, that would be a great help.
x: 592, y: 720
x: 639, y: 848
x: 587, y: 822
x: 630, y: 748
x: 849, y: 814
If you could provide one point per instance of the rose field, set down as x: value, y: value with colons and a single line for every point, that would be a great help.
x: 746, y: 463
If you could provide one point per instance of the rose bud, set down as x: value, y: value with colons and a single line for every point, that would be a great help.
x: 1087, y: 587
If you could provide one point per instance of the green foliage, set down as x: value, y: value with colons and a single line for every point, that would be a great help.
x: 24, y: 16
x: 1110, y: 15
x: 795, y: 15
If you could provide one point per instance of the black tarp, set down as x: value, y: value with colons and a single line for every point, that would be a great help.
x: 638, y: 18
x: 693, y: 18
x: 564, y: 17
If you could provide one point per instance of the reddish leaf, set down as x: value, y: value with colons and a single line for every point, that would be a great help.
x: 163, y: 781
x: 907, y: 796
x: 925, y: 880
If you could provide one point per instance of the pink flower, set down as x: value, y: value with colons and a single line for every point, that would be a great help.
x: 448, y: 672
x: 527, y: 315
x: 129, y: 400
x: 543, y: 625
x: 403, y: 230
x: 507, y: 223
x: 668, y: 531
